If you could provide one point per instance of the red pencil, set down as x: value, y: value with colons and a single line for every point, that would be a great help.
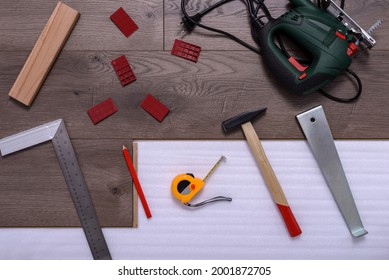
x: 136, y: 182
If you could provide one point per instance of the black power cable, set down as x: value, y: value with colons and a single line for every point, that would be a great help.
x: 228, y: 35
x: 189, y: 22
x: 254, y: 6
x: 345, y: 100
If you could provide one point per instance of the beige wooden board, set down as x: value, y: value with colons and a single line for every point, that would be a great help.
x: 135, y: 155
x: 226, y: 80
x: 44, y: 53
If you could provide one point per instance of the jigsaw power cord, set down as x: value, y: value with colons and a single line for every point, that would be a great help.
x: 254, y: 6
x: 190, y: 22
x: 345, y: 100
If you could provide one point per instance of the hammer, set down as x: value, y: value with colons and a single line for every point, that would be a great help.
x: 244, y: 120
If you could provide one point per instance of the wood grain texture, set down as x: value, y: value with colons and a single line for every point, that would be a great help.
x: 267, y: 171
x: 34, y: 193
x: 44, y: 53
x: 226, y: 80
x: 200, y: 96
x: 234, y: 19
x: 23, y: 21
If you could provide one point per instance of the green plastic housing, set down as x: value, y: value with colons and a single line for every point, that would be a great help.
x: 320, y: 34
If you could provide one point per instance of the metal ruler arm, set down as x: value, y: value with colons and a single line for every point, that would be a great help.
x: 80, y: 194
x: 29, y: 138
x: 57, y: 133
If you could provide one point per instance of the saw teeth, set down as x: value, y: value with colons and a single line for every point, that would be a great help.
x: 374, y: 26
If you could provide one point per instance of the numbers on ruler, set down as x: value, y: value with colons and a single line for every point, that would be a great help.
x: 80, y: 195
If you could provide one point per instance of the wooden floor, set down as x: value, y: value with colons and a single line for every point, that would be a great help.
x: 226, y: 80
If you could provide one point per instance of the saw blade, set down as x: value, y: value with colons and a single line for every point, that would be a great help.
x: 369, y: 31
x: 374, y: 26
x: 351, y: 25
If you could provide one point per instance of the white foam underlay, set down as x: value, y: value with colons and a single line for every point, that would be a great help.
x: 249, y: 227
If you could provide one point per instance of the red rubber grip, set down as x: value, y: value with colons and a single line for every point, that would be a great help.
x: 290, y: 221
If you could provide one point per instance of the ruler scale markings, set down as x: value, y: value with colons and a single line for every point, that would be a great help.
x: 57, y: 133
x: 79, y: 193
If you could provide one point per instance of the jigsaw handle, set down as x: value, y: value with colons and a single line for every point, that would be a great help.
x: 315, y: 32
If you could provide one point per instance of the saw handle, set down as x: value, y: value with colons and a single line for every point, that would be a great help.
x: 315, y: 32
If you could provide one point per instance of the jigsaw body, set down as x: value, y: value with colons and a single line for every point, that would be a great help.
x: 316, y: 32
x: 323, y: 31
x: 329, y: 36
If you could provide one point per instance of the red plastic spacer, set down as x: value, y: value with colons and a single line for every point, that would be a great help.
x: 102, y: 110
x: 123, y: 70
x: 154, y: 107
x: 123, y: 21
x: 186, y: 50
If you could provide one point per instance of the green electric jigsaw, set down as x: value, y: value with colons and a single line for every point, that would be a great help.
x: 329, y: 35
x: 324, y: 32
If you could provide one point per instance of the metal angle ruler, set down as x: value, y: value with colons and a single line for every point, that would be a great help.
x: 56, y: 132
x: 317, y: 131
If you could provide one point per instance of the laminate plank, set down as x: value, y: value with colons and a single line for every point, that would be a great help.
x: 200, y: 96
x: 233, y: 18
x: 22, y: 22
x: 33, y: 191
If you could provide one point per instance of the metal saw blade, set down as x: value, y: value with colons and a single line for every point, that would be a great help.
x: 351, y: 25
x: 374, y: 26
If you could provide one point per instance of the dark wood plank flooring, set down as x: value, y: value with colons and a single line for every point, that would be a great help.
x: 226, y: 80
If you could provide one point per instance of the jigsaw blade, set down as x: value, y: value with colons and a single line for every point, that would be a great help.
x: 374, y: 26
x: 351, y: 25
x: 369, y: 31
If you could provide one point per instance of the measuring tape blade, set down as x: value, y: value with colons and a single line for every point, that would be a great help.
x: 80, y: 194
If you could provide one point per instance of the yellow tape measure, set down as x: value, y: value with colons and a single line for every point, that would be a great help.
x: 186, y: 186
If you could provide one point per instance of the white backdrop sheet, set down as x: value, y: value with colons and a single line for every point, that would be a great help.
x: 249, y: 227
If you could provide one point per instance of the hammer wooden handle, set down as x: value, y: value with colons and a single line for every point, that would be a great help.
x: 271, y: 179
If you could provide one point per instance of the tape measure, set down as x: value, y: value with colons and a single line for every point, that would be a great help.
x: 186, y: 186
x: 57, y: 133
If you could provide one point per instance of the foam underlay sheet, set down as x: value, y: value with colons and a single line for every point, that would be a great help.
x: 249, y: 227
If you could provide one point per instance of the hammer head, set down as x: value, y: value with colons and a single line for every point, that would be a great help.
x: 240, y: 119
